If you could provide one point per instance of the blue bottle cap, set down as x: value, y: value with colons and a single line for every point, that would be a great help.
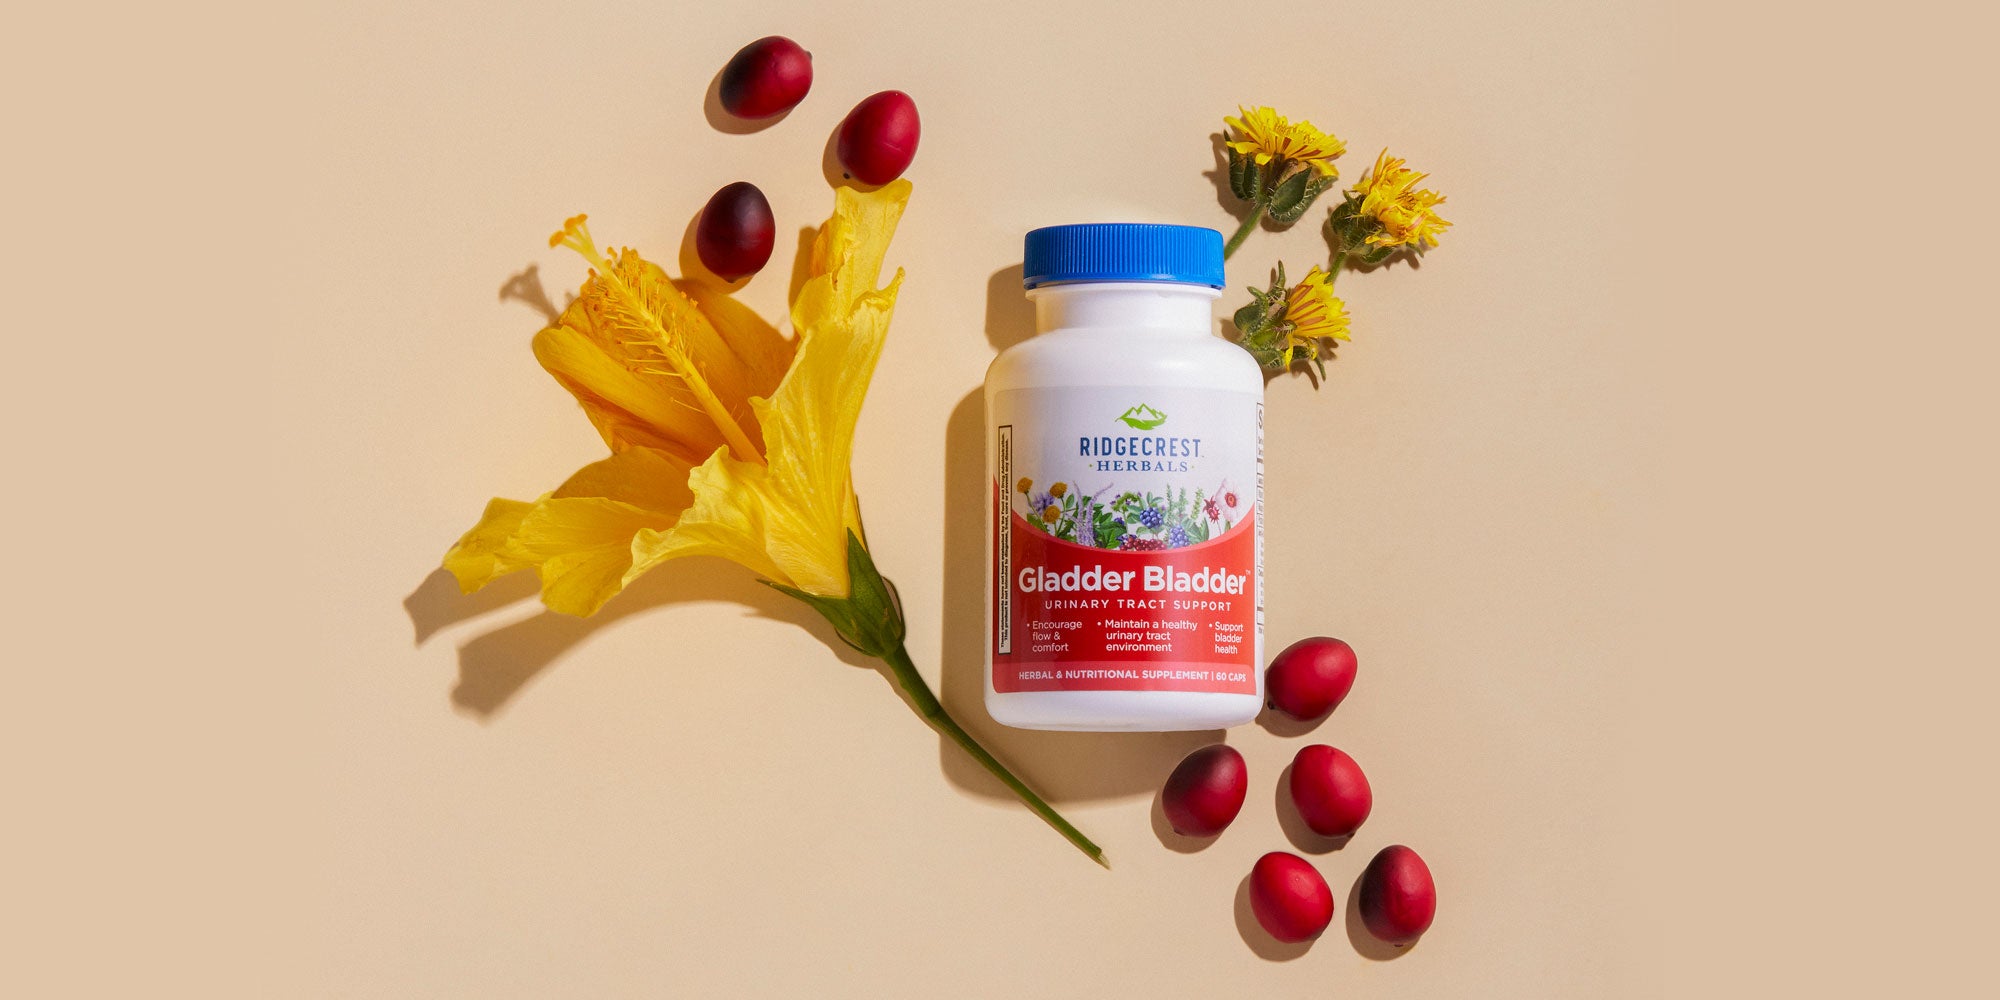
x: 1122, y: 251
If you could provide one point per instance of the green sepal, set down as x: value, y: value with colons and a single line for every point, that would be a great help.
x: 1286, y: 193
x: 870, y: 617
x: 1248, y: 317
x: 1271, y: 359
x: 1310, y: 193
x: 1377, y: 255
x: 1259, y: 324
x: 1295, y: 194
x: 1244, y: 176
x: 1347, y: 232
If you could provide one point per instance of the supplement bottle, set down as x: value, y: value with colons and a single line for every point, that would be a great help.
x: 1125, y: 451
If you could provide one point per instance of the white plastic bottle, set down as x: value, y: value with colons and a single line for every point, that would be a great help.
x: 1125, y: 449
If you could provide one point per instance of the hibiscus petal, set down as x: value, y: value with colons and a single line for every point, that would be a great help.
x: 578, y: 538
x: 582, y: 547
x: 643, y: 477
x: 728, y: 519
x: 626, y: 407
x: 645, y: 361
x: 481, y: 555
x: 765, y: 352
x: 788, y: 518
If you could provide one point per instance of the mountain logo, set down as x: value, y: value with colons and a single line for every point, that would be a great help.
x: 1142, y: 418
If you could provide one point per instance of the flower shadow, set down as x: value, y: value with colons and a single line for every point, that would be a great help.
x: 1062, y: 766
x: 525, y: 286
x: 1237, y: 208
x: 1409, y: 260
x: 494, y: 667
x: 437, y: 604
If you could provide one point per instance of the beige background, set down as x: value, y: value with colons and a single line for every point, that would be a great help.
x: 1658, y: 504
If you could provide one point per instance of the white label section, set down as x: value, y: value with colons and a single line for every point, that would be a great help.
x: 1138, y: 469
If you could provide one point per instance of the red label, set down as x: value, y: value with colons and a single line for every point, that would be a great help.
x: 1071, y: 617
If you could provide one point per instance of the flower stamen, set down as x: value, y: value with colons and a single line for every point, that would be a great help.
x: 611, y: 290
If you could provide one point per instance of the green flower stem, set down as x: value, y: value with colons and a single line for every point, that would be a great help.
x: 870, y: 619
x: 1258, y: 206
x: 1243, y: 232
x: 928, y: 706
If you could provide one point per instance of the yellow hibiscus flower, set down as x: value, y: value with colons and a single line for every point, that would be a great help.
x: 727, y: 439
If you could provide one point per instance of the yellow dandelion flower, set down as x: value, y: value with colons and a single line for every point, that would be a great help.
x: 1051, y: 514
x: 1264, y: 134
x: 1024, y: 485
x: 1313, y: 313
x: 1058, y: 489
x: 1406, y: 213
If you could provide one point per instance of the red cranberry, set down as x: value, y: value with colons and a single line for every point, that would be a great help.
x: 878, y: 138
x: 1398, y: 899
x: 1310, y: 677
x: 1331, y: 792
x: 767, y: 77
x: 1289, y: 897
x: 1206, y: 791
x: 735, y: 233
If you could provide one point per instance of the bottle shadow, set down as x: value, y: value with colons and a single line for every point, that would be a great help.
x: 1062, y: 766
x: 1284, y: 726
x: 1010, y: 317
